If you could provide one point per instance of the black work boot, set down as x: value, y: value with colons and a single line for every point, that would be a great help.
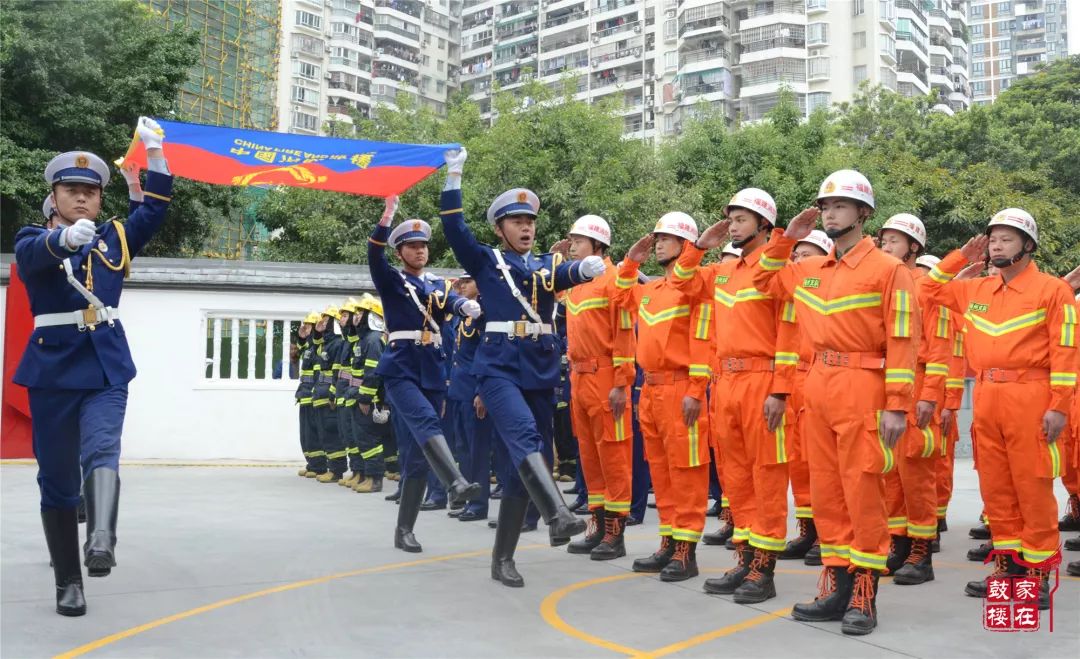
x: 833, y: 597
x: 658, y: 560
x: 1043, y: 577
x: 562, y: 524
x: 942, y: 525
x: 980, y: 553
x: 102, y: 505
x: 1073, y: 544
x: 1003, y: 566
x: 861, y: 615
x: 412, y: 494
x: 758, y: 585
x: 799, y: 547
x: 980, y: 532
x: 918, y: 568
x: 81, y: 510
x: 683, y: 563
x: 612, y: 545
x: 1073, y: 569
x: 733, y: 578
x: 593, y: 536
x: 1070, y: 521
x: 507, y: 532
x: 813, y: 557
x: 899, y: 549
x: 62, y: 537
x: 723, y: 534
x: 438, y: 455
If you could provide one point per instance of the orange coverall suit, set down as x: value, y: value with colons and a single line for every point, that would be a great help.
x: 911, y: 489
x: 954, y: 398
x: 798, y: 466
x: 673, y: 349
x: 600, y: 347
x: 1021, y: 341
x: 861, y: 316
x: 756, y: 355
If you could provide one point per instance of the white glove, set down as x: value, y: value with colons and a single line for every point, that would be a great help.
x: 131, y: 175
x: 389, y: 209
x: 455, y: 160
x: 591, y: 267
x: 78, y: 234
x: 471, y: 308
x: 150, y: 133
x: 380, y: 416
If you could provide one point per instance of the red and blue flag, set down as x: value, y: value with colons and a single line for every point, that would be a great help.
x: 236, y: 156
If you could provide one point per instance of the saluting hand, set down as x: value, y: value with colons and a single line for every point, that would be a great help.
x: 715, y: 235
x: 1073, y: 278
x: 561, y: 247
x: 971, y: 271
x: 802, y: 224
x: 639, y: 252
x: 975, y: 249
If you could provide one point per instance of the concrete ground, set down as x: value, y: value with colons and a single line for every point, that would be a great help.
x: 257, y: 562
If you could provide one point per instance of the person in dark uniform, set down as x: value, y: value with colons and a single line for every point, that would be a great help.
x: 314, y: 456
x: 324, y: 396
x: 566, y: 446
x: 346, y: 393
x: 415, y: 303
x: 77, y: 365
x: 371, y: 423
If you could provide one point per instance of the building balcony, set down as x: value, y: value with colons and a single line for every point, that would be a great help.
x: 561, y: 42
x: 515, y: 59
x: 705, y: 26
x: 907, y: 38
x: 513, y: 32
x: 569, y: 20
x: 570, y: 65
x: 408, y: 7
x: 1030, y: 26
x: 602, y: 36
x: 479, y: 19
x: 914, y: 8
x: 616, y: 58
x: 516, y: 12
x: 704, y: 58
x: 397, y: 31
x: 604, y: 6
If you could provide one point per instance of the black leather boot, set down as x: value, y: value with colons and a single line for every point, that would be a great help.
x: 658, y: 560
x: 758, y: 586
x: 438, y: 455
x: 1073, y: 544
x: 102, y: 506
x: 979, y: 554
x: 536, y: 475
x: 1070, y: 521
x: 412, y: 494
x: 733, y: 578
x: 511, y: 515
x: 799, y: 547
x: 1003, y: 565
x: 980, y: 532
x: 683, y: 563
x: 898, y: 552
x: 832, y: 600
x: 813, y: 557
x: 594, y: 535
x: 1044, y: 585
x: 1073, y: 569
x: 918, y: 568
x: 861, y: 616
x: 612, y: 545
x: 82, y: 509
x: 62, y: 537
x: 942, y: 525
x: 722, y: 534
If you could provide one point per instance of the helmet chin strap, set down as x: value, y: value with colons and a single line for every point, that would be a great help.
x: 1005, y: 262
x: 836, y: 233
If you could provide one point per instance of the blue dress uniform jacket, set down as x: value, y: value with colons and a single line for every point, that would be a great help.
x: 422, y: 364
x: 62, y: 357
x: 462, y: 380
x: 530, y: 363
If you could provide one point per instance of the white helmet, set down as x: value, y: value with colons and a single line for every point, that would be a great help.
x: 907, y: 224
x: 817, y: 238
x: 730, y: 248
x: 757, y: 200
x: 592, y: 226
x: 849, y: 184
x: 678, y: 224
x: 1016, y: 218
x: 927, y: 261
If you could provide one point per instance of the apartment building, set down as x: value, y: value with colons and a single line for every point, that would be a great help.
x: 1011, y: 39
x: 345, y: 56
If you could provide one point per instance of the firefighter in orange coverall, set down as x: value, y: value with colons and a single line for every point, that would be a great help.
x: 858, y: 308
x: 911, y: 489
x: 754, y: 366
x: 1022, y: 334
x: 600, y: 339
x: 673, y: 350
x: 805, y: 545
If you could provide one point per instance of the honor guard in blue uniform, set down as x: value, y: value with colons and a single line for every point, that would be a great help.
x: 324, y: 395
x: 517, y: 363
x: 314, y: 456
x: 412, y: 367
x: 77, y: 365
x: 370, y: 423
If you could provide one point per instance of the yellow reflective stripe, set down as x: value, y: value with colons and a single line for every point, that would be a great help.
x: 700, y: 370
x: 1012, y: 325
x: 625, y: 283
x: 781, y: 443
x: 314, y: 454
x: 935, y: 368
x: 1062, y: 379
x: 917, y: 531
x: 804, y: 512
x: 740, y: 534
x: 686, y: 535
x: 625, y: 322
x: 786, y: 358
x: 684, y: 273
x: 770, y: 264
x: 370, y: 391
x: 788, y: 314
x: 943, y: 323
x: 585, y: 305
x: 766, y: 543
x: 371, y: 453
x: 617, y: 506
x: 871, y: 561
x: 704, y: 322
x: 1055, y: 460
x: 942, y: 510
x: 452, y: 211
x: 838, y: 551
x: 305, y: 401
x: 898, y: 522
x: 352, y: 450
x: 954, y: 383
x: 1007, y: 544
x: 890, y: 459
x: 939, y: 275
x: 335, y: 455
x: 838, y: 305
x: 745, y: 295
x: 1068, y: 327
x: 371, y: 363
x: 902, y: 321
x: 620, y: 428
x: 724, y: 503
x: 596, y: 499
x: 1035, y: 555
x: 663, y: 316
x: 692, y: 433
x: 665, y: 530
x: 619, y: 361
x: 928, y: 441
x: 899, y: 376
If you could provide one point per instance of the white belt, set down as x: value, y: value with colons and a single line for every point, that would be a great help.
x: 419, y: 337
x: 83, y: 318
x: 518, y: 328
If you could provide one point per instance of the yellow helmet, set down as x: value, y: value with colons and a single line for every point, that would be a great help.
x: 350, y: 305
x: 333, y: 312
x: 312, y: 317
x: 370, y: 303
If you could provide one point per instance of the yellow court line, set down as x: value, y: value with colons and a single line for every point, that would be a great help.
x: 549, y: 611
x: 30, y: 462
x: 715, y: 634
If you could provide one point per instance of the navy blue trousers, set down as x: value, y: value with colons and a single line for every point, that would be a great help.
x: 524, y: 420
x: 416, y: 420
x: 474, y: 435
x: 75, y: 431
